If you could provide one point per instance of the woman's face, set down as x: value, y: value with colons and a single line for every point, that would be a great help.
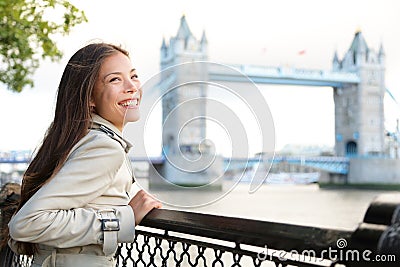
x: 117, y: 92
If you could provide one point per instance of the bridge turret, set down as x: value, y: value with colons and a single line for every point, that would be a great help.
x: 183, y: 47
x: 204, y: 43
x: 360, y: 49
x: 335, y: 62
x: 381, y: 55
x: 164, y: 49
x: 357, y: 53
x: 184, y: 30
x: 182, y: 36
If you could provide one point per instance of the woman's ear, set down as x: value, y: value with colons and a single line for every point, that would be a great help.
x: 91, y: 103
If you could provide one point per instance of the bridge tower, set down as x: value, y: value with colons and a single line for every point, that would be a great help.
x: 189, y: 158
x: 359, y: 113
x: 184, y: 47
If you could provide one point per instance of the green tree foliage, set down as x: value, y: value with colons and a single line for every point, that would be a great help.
x: 26, y: 31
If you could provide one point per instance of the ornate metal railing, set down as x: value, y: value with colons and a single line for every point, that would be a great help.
x: 176, y: 238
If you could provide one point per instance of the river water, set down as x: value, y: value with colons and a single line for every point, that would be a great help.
x: 293, y: 204
x: 308, y: 205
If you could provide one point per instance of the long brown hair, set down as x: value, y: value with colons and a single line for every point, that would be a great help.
x: 72, y: 120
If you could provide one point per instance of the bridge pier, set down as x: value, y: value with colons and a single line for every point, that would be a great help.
x: 374, y: 171
x: 328, y: 179
x: 369, y: 173
x: 203, y: 174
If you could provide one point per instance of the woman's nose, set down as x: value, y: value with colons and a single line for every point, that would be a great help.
x: 133, y: 87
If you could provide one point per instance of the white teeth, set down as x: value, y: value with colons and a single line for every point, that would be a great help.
x: 133, y: 102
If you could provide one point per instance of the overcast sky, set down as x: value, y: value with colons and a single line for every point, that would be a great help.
x: 251, y: 32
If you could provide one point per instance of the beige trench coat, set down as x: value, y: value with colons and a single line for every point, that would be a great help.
x: 63, y: 218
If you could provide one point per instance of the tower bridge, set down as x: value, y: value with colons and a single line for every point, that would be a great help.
x: 358, y: 82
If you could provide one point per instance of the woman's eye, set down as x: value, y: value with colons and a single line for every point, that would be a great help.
x: 114, y: 79
x: 134, y: 76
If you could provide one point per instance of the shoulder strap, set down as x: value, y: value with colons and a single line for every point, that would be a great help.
x: 112, y: 134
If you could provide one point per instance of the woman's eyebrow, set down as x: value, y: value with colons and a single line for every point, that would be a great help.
x: 116, y: 73
x: 112, y: 73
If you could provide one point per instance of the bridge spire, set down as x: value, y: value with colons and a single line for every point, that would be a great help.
x: 381, y: 54
x: 163, y: 45
x: 183, y: 31
x: 204, y: 38
x: 359, y: 48
x: 164, y: 49
x: 335, y: 62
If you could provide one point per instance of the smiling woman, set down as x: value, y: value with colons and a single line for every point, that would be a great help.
x: 75, y: 205
x: 117, y: 92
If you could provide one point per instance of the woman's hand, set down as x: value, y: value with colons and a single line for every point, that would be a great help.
x: 142, y: 203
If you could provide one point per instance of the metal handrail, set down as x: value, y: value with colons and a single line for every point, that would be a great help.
x: 240, y: 231
x: 180, y: 238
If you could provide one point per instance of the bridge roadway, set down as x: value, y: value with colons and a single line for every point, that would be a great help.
x: 338, y: 165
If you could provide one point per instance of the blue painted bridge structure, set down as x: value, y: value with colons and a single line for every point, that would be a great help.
x: 334, y: 165
x: 338, y: 165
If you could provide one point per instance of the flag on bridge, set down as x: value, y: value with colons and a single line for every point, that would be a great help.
x: 301, y: 52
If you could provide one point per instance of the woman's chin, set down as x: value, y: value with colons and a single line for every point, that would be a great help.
x: 132, y: 116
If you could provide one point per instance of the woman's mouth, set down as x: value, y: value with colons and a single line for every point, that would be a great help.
x: 130, y: 103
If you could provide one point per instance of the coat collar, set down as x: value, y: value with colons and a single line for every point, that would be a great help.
x: 99, y: 123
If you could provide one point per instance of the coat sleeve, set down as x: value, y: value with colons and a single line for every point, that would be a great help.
x: 56, y: 215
